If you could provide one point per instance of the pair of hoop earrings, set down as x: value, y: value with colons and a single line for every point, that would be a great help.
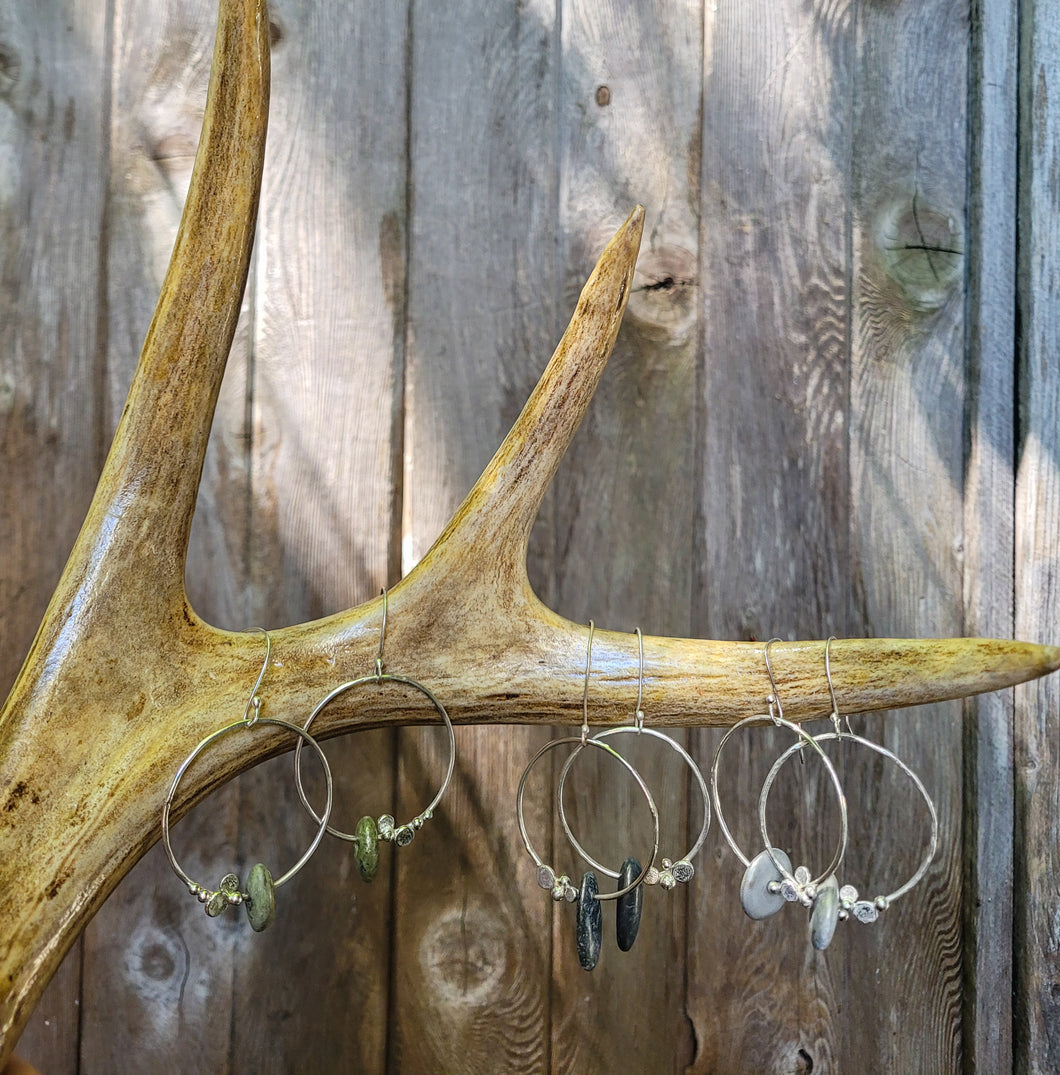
x: 259, y: 896
x: 768, y: 880
x: 631, y: 876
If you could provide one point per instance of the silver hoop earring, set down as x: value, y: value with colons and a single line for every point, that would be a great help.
x: 769, y: 881
x: 588, y: 897
x: 259, y: 897
x: 681, y: 870
x: 370, y: 831
x: 834, y: 902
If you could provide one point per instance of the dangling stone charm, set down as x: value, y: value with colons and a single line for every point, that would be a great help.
x: 825, y: 915
x: 261, y: 898
x: 628, y: 909
x: 366, y: 848
x: 590, y: 929
x: 760, y: 889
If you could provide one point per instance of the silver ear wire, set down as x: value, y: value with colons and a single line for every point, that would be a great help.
x: 382, y: 637
x: 585, y: 692
x: 776, y: 710
x: 254, y: 702
x: 639, y: 713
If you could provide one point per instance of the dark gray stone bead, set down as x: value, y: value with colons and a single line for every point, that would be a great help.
x: 261, y: 898
x: 590, y: 931
x: 366, y: 848
x: 627, y: 913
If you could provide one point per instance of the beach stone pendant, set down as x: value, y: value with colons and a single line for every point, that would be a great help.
x: 261, y: 898
x: 366, y: 848
x: 590, y: 929
x: 755, y: 895
x: 627, y: 912
x: 825, y: 914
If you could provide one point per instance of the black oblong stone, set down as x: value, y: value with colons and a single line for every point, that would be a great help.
x: 627, y: 913
x: 590, y: 932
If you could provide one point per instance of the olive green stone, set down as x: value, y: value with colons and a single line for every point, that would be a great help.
x: 261, y: 898
x: 366, y: 848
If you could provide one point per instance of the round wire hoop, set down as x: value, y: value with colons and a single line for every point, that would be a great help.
x: 673, y: 744
x: 412, y: 826
x: 849, y: 896
x: 257, y: 722
x: 805, y: 739
x: 575, y: 739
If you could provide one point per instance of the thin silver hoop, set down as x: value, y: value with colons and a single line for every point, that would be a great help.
x: 389, y: 830
x: 672, y: 872
x: 304, y: 737
x: 261, y: 885
x: 560, y: 884
x: 798, y: 885
x: 387, y: 827
x: 863, y: 910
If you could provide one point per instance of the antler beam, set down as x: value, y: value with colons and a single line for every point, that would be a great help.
x: 123, y: 679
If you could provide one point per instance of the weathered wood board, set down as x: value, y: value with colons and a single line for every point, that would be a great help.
x: 821, y: 418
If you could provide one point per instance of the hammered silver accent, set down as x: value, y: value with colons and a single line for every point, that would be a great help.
x: 848, y: 896
x: 866, y: 912
x: 652, y: 876
x: 683, y: 871
x: 546, y: 877
x: 386, y: 827
x: 404, y: 836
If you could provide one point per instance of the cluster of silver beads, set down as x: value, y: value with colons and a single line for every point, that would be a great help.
x: 865, y: 911
x: 561, y: 887
x: 227, y: 895
x: 402, y: 835
x: 670, y: 874
x: 797, y: 888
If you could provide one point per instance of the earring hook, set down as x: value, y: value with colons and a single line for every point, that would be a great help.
x: 382, y: 636
x: 639, y: 715
x: 254, y: 702
x: 834, y: 715
x: 776, y: 710
x: 585, y: 693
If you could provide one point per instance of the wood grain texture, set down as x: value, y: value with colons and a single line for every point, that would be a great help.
x: 908, y: 391
x: 988, y: 534
x: 53, y: 161
x: 772, y: 487
x: 629, y: 121
x: 471, y: 959
x: 1036, y: 999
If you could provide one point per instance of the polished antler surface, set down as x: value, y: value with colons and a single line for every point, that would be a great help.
x: 123, y: 678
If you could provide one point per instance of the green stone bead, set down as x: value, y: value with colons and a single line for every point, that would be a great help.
x: 366, y: 848
x: 261, y: 898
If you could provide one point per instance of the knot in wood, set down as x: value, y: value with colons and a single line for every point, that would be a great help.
x: 922, y: 247
x: 663, y: 300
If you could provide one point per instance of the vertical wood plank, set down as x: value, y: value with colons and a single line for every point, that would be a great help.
x: 157, y: 978
x: 470, y: 924
x: 988, y: 524
x: 630, y: 123
x: 53, y: 160
x: 908, y: 392
x: 1037, y: 754
x: 328, y: 304
x: 772, y: 486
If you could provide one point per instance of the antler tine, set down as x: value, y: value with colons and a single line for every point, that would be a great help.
x: 68, y: 831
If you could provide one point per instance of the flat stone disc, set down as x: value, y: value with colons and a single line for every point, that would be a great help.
x: 366, y: 848
x: 825, y: 914
x: 758, y: 902
x: 590, y: 930
x: 261, y: 898
x: 627, y: 912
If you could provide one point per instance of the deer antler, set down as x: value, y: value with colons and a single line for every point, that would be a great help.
x: 123, y: 678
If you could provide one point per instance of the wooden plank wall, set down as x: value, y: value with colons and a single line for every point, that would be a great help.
x: 832, y: 409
